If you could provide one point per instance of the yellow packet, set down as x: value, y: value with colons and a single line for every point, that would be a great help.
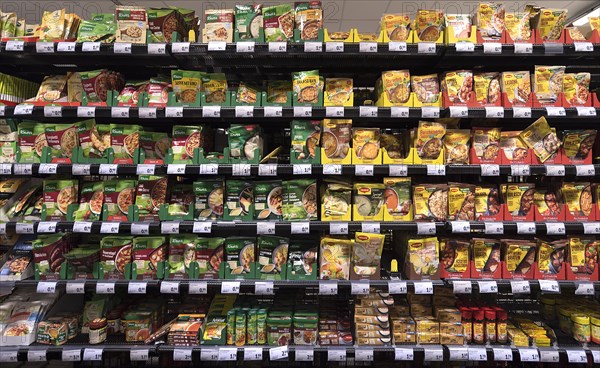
x: 517, y: 86
x: 552, y: 23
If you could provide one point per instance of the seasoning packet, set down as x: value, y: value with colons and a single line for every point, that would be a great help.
x: 396, y: 84
x: 395, y: 142
x: 578, y: 197
x: 575, y: 34
x: 576, y: 88
x: 125, y: 139
x: 426, y: 87
x: 163, y: 22
x: 115, y: 254
x: 246, y: 94
x: 456, y: 145
x: 336, y: 137
x: 486, y: 142
x: 397, y: 196
x: 396, y: 26
x: 431, y: 202
x: 578, y: 144
x: 519, y: 256
x: 101, y: 28
x: 487, y: 87
x: 180, y: 199
x: 461, y: 25
x: 583, y: 255
x: 272, y: 256
x: 486, y: 256
x: 182, y: 252
x: 309, y: 19
x: 490, y: 20
x: 52, y: 89
x: 239, y: 199
x: 239, y: 255
x: 459, y: 85
x: 454, y: 256
x: 90, y: 202
x: 97, y: 83
x: 513, y: 147
x: 547, y: 200
x: 268, y: 201
x: 48, y: 255
x: 461, y: 202
x: 428, y: 142
x: 218, y: 25
x: 336, y: 199
x: 517, y: 25
x: 517, y: 86
x: 541, y: 139
x: 158, y: 90
x: 429, y: 25
x: 151, y: 193
x: 338, y: 91
x: 300, y: 200
x: 366, y: 253
x: 302, y: 259
x: 368, y: 200
x: 186, y: 139
x: 32, y: 139
x: 334, y: 258
x: 520, y: 198
x: 155, y: 146
x: 551, y: 255
x: 74, y: 87
x: 422, y: 258
x: 214, y: 86
x: 209, y: 255
x: 118, y: 196
x: 278, y: 22
x: 244, y: 140
x: 132, y: 24
x: 52, y: 26
x: 62, y: 139
x: 58, y: 195
x: 277, y: 91
x: 548, y: 83
x: 306, y: 86
x: 365, y: 142
x: 208, y: 199
x: 186, y: 84
x: 148, y: 253
x: 552, y: 23
x: 249, y: 21
x: 305, y: 138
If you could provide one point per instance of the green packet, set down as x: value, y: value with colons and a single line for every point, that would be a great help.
x: 58, y: 195
x: 182, y: 252
x: 61, y: 139
x: 90, y: 202
x: 300, y: 200
x: 32, y: 139
x: 155, y: 146
x: 151, y: 194
x: 119, y: 194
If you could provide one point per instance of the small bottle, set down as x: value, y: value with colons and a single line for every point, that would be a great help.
x: 490, y: 325
x: 478, y: 326
x: 97, y: 331
x: 394, y: 274
x: 501, y: 333
x: 467, y: 323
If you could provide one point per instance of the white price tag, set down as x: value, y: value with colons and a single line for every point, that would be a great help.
x: 368, y: 111
x: 596, y: 355
x: 585, y: 111
x: 182, y: 355
x: 583, y: 46
x: 105, y: 288
x: 108, y: 169
x: 404, y: 354
x: 230, y: 287
x: 246, y: 46
x: 434, y: 354
x: 555, y: 111
x: 553, y: 48
x: 584, y: 288
x: 174, y: 111
x: 140, y: 229
x: 487, y: 287
x: 281, y: 352
x: 460, y: 227
x: 462, y: 287
x: 492, y: 48
x: 136, y: 287
x: 139, y: 355
x: 399, y: 112
x: 52, y: 111
x: 555, y: 228
x: 15, y: 45
x: 302, y: 111
x: 3, y: 228
x: 371, y: 227
x: 585, y: 170
x: 8, y: 356
x: 273, y: 111
x: 459, y: 111
x: 520, y: 170
x: 211, y: 111
x: 523, y: 48
x: 426, y: 228
x: 328, y: 287
x: 313, y: 46
x: 23, y: 109
x: 90, y: 47
x: 202, y: 227
x: 278, y: 46
x: 490, y: 170
x: 549, y: 356
x: 363, y: 170
x: 244, y: 111
x: 180, y: 47
x: 48, y: 169
x: 494, y: 228
x: 332, y: 169
x: 217, y: 45
x: 398, y: 170
x: 334, y: 47
x: 521, y: 112
x: 5, y: 169
x: 252, y: 354
x: 147, y: 112
x: 227, y: 354
x: 66, y: 46
x: 46, y: 227
x: 2, y: 110
x: 430, y: 112
x: 23, y: 228
x: 395, y: 46
x: 494, y: 112
x: 503, y: 354
x: 465, y: 47
x: 359, y: 287
x: 591, y: 227
x: 209, y: 169
x: 525, y: 228
x: 169, y: 287
x: 397, y: 287
x: 477, y: 354
x: 157, y: 48
x: 122, y: 48
x: 198, y: 287
x: 264, y: 288
x: 240, y: 169
x: 300, y: 227
x: 302, y: 169
x: 92, y: 354
x: 265, y: 228
x: 458, y: 353
x: 336, y: 355
x: 71, y: 355
x: 267, y: 170
x: 529, y: 355
x: 75, y: 287
x: 367, y: 47
x: 363, y: 354
x: 86, y: 111
x: 119, y: 112
x: 436, y: 170
x: 209, y: 354
x: 338, y: 228
x: 423, y: 287
x: 334, y: 111
x: 82, y: 227
x: 304, y: 354
x: 176, y: 169
x: 145, y: 169
x: 36, y: 355
x: 426, y: 48
x: 23, y: 169
x: 549, y: 286
x: 520, y: 287
x: 46, y: 287
x: 169, y: 227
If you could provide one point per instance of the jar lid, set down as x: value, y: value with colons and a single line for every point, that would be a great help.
x: 595, y: 319
x: 98, y: 323
x: 582, y: 319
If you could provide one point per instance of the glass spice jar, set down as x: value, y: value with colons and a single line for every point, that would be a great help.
x: 97, y: 331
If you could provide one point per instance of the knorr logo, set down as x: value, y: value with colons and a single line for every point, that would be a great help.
x: 117, y: 131
x: 25, y: 131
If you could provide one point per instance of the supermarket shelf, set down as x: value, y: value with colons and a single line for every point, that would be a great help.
x: 270, y: 170
x: 286, y: 228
